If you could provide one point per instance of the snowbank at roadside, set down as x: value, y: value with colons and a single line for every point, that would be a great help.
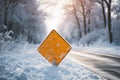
x: 100, y: 49
x: 28, y: 64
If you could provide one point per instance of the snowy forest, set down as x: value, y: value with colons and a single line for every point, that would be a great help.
x: 85, y: 21
x: 21, y: 20
x: 91, y: 27
x: 91, y: 21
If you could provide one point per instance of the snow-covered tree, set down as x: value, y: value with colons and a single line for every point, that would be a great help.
x: 24, y: 18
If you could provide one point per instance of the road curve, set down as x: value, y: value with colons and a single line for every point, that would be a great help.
x: 106, y: 66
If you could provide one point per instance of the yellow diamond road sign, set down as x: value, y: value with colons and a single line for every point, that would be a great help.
x: 54, y: 48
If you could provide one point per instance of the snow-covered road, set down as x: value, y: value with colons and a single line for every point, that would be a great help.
x: 106, y: 65
x: 28, y: 64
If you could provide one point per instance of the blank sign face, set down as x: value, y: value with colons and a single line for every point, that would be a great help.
x: 54, y: 48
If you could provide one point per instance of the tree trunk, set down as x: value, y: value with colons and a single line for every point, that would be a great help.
x: 89, y: 12
x: 109, y: 22
x: 84, y: 17
x: 78, y: 23
x: 108, y: 3
x: 5, y: 13
x: 77, y: 20
x: 103, y: 11
x: 5, y: 16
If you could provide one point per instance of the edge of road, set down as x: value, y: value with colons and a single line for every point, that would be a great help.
x: 96, y: 53
x: 105, y: 75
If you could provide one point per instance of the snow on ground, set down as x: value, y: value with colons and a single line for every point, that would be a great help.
x: 100, y: 49
x: 28, y: 64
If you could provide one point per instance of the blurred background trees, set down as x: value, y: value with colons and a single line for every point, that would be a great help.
x: 84, y: 21
x: 23, y: 20
x: 98, y: 20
